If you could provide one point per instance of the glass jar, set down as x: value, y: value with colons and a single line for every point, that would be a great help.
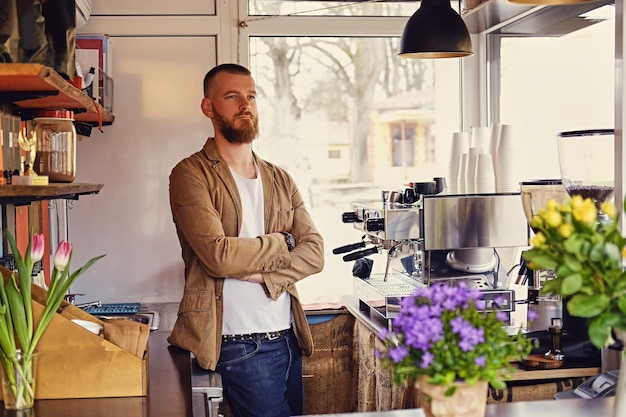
x: 55, y: 137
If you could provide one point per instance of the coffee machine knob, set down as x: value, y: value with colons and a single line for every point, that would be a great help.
x: 375, y: 225
x: 349, y: 217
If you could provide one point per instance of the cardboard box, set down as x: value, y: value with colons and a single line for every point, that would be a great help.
x: 75, y: 363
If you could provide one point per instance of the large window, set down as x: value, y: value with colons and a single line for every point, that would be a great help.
x: 332, y: 8
x: 558, y: 78
x: 348, y: 118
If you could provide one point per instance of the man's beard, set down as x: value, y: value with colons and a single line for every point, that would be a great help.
x: 245, y: 134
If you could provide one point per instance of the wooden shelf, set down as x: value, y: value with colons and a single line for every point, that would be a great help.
x: 34, y: 86
x: 25, y: 194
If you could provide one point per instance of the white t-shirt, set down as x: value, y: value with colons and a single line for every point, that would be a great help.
x: 247, y: 309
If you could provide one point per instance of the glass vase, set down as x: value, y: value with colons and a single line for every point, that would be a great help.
x: 467, y: 400
x: 18, y: 380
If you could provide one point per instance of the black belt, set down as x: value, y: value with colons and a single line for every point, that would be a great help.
x: 254, y: 336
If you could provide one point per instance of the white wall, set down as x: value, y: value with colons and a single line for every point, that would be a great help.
x: 157, y: 71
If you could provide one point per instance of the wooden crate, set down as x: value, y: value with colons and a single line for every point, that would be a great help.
x: 75, y: 363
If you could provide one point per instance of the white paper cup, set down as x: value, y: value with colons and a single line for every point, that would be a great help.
x: 460, y: 145
x: 481, y: 138
x: 495, y: 137
x: 470, y: 168
x: 460, y: 183
x: 507, y: 137
x: 485, y: 177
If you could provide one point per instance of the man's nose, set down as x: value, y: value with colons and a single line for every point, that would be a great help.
x: 244, y: 103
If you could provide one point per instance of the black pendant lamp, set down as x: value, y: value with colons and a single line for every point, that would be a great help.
x: 435, y: 31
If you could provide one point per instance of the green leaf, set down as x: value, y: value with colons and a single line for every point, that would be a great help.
x: 543, y: 261
x: 574, y: 243
x: 16, y: 304
x: 582, y: 305
x: 572, y: 263
x: 552, y: 286
x: 613, y: 252
x: 621, y: 303
x: 571, y: 284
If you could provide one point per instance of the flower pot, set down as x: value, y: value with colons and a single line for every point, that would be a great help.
x: 18, y: 380
x: 467, y: 400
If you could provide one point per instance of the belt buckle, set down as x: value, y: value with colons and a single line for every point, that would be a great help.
x: 272, y: 335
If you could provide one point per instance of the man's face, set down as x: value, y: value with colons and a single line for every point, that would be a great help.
x: 233, y: 110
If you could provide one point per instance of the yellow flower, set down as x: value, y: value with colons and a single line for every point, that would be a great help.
x: 538, y: 240
x: 566, y: 230
x: 552, y: 217
x: 536, y: 222
x: 552, y: 204
x: 609, y: 209
x: 624, y: 252
x: 585, y: 211
x: 576, y: 201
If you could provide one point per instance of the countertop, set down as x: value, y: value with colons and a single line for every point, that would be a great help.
x: 600, y: 407
x: 169, y: 392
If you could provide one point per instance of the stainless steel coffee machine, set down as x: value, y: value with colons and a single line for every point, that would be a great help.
x: 433, y: 238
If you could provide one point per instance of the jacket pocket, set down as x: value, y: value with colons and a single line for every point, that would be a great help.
x: 196, y: 301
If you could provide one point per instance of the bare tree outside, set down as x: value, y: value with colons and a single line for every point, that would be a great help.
x: 347, y: 118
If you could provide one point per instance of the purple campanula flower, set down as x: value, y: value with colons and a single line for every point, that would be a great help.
x: 470, y: 337
x: 427, y: 359
x: 480, y: 361
x: 499, y: 301
x: 458, y: 324
x: 398, y: 353
x: 502, y: 316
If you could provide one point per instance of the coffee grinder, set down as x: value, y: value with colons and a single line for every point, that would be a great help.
x: 586, y: 165
x: 535, y: 195
x: 587, y: 169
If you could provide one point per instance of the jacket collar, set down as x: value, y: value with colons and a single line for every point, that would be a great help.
x: 266, y: 170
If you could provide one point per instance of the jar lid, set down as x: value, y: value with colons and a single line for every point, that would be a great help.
x: 55, y: 114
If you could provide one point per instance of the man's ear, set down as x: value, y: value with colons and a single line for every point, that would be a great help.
x: 206, y: 107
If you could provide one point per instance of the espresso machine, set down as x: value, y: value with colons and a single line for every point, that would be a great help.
x: 433, y: 237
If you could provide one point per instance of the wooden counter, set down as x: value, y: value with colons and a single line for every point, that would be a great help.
x: 601, y: 407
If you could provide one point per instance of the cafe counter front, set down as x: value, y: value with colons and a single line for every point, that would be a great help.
x: 599, y: 407
x: 342, y: 376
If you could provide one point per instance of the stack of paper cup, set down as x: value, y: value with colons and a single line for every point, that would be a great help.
x: 460, y: 181
x: 495, y: 137
x: 485, y: 176
x: 481, y: 138
x: 507, y: 161
x: 470, y: 168
x: 460, y: 145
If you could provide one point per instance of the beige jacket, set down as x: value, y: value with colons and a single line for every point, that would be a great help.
x: 207, y: 213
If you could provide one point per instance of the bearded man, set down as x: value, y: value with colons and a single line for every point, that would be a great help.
x: 246, y: 239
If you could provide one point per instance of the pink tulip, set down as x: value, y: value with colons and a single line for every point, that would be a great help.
x: 62, y: 255
x: 36, y: 250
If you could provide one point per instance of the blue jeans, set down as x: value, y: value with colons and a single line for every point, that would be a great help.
x: 262, y: 378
